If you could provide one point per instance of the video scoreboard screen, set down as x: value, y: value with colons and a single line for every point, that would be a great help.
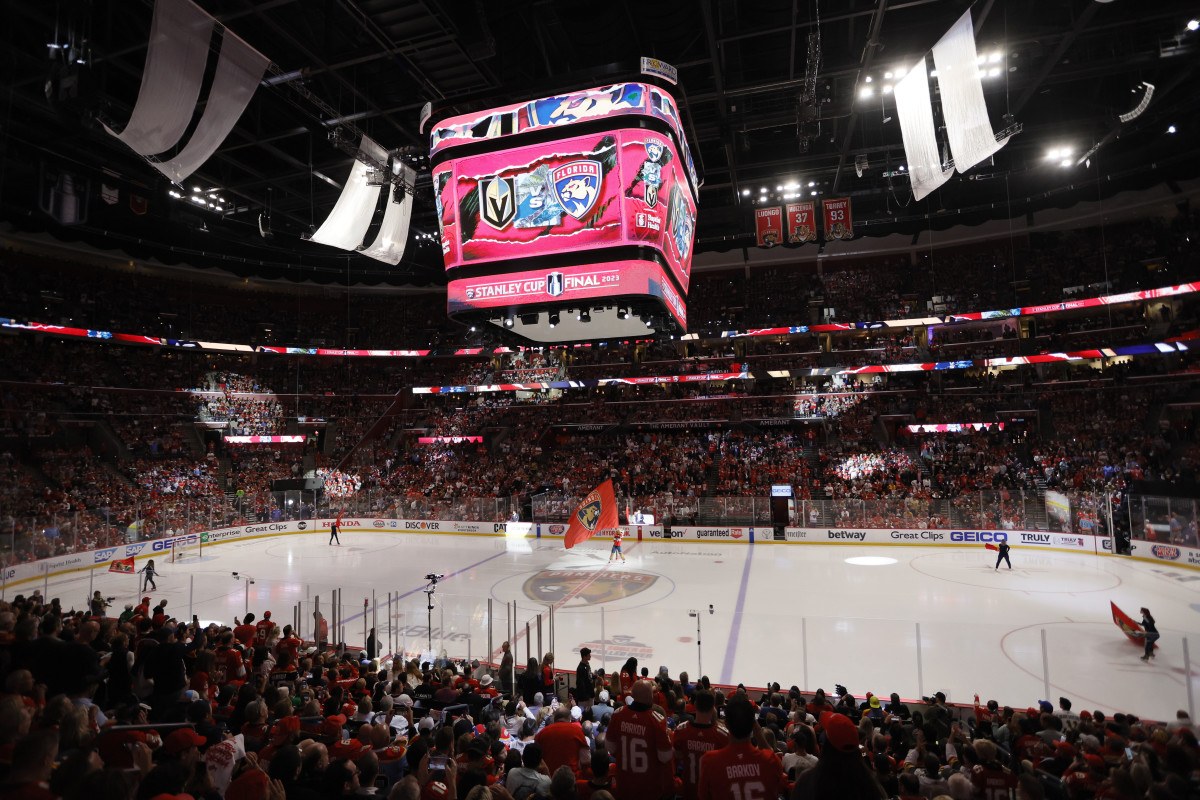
x: 582, y: 202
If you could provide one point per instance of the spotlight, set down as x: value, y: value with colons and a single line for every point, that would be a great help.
x: 585, y: 315
x: 622, y: 313
x: 745, y: 192
x: 1193, y: 24
x: 812, y: 184
x: 529, y: 319
x: 554, y: 318
x: 1171, y: 129
x: 865, y: 92
x: 508, y: 321
x: 888, y: 76
x: 868, y: 79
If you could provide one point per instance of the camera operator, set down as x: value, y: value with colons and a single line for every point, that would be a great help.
x: 99, y: 604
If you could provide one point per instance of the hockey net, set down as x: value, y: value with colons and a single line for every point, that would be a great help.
x: 181, y: 550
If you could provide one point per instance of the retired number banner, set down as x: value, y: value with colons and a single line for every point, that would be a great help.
x: 801, y: 222
x: 838, y: 222
x: 768, y: 226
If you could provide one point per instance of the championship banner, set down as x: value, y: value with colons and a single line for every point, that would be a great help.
x: 839, y: 224
x: 801, y: 222
x: 121, y: 565
x: 768, y: 226
x: 597, y: 512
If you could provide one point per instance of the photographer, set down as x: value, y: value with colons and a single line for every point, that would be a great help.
x: 99, y: 604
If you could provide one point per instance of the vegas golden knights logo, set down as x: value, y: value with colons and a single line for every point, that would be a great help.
x: 498, y: 201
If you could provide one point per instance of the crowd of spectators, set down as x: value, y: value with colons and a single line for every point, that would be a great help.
x: 145, y: 705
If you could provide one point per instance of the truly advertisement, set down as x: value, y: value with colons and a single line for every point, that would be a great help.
x: 617, y: 278
x: 620, y: 187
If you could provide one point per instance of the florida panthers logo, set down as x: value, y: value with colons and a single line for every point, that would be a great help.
x: 577, y: 186
x: 589, y: 513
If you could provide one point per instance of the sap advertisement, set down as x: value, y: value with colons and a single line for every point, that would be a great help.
x: 582, y: 193
x: 567, y: 285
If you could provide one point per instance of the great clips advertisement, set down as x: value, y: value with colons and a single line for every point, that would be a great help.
x: 566, y: 286
x: 585, y: 192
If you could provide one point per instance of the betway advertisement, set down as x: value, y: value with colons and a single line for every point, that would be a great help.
x: 614, y: 279
x: 587, y: 192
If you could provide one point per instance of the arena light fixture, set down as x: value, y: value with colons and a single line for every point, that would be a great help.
x: 866, y: 92
x: 888, y: 76
x: 622, y: 313
x: 1171, y: 129
x: 1193, y: 24
x: 554, y: 319
x: 509, y: 321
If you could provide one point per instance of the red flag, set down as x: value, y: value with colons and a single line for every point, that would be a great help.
x: 991, y: 546
x: 597, y: 512
x: 121, y: 565
x: 1129, y: 626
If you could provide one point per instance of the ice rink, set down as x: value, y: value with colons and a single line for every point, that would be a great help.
x: 930, y: 619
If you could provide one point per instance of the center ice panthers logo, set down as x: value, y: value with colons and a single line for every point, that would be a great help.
x: 577, y: 186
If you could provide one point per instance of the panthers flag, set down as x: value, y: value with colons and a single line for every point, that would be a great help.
x: 121, y: 565
x: 597, y: 512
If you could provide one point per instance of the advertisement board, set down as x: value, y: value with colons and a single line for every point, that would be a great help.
x: 1177, y: 555
x: 711, y: 534
x: 916, y: 536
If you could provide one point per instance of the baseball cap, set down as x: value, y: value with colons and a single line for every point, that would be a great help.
x: 874, y: 701
x: 840, y: 732
x: 486, y: 680
x: 181, y: 740
x: 266, y: 615
x: 404, y: 700
x: 1046, y: 705
x: 250, y: 785
x: 426, y: 724
x: 576, y: 713
x: 1064, y: 749
x: 604, y: 695
x: 284, y: 727
x: 1095, y: 762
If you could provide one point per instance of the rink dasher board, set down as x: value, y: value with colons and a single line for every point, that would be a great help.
x: 1173, y: 555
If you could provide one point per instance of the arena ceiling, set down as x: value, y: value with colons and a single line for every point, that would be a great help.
x: 772, y: 93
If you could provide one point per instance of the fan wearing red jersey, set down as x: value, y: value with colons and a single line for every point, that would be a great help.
x: 639, y: 741
x: 745, y: 769
x: 992, y: 781
x: 694, y: 739
x: 262, y: 631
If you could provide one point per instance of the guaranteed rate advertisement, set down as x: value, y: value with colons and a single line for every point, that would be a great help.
x: 582, y: 193
x: 567, y: 286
